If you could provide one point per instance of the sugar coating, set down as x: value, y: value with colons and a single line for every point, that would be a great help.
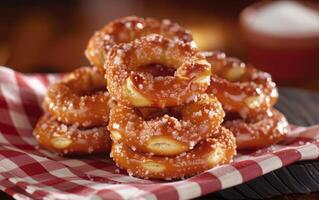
x: 239, y: 87
x: 207, y: 154
x: 71, y: 139
x: 80, y: 97
x: 198, y: 120
x: 127, y: 29
x: 259, y: 131
x: 161, y: 90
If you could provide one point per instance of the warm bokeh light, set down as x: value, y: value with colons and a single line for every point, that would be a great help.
x: 50, y: 36
x: 209, y: 37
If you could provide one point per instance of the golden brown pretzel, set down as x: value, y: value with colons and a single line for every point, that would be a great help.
x: 259, y: 131
x: 71, y: 139
x: 130, y: 87
x: 240, y: 88
x: 166, y: 134
x: 80, y: 98
x: 207, y: 154
x: 127, y: 29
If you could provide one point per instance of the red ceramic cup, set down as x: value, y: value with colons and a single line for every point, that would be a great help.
x: 287, y: 57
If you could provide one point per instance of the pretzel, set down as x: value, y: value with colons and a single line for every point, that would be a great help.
x: 130, y: 87
x: 259, y: 131
x: 207, y: 154
x: 80, y: 98
x: 165, y: 134
x: 240, y: 88
x: 127, y: 29
x: 71, y: 139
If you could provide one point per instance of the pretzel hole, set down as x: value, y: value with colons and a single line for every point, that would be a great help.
x: 157, y: 70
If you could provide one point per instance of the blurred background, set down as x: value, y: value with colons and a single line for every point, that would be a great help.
x: 50, y: 36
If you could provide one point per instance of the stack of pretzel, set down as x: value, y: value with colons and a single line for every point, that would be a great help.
x: 162, y: 101
x: 76, y: 111
x: 247, y: 96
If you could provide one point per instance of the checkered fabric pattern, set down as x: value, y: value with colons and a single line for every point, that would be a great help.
x: 30, y: 172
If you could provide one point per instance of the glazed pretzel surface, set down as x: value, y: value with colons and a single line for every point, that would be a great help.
x: 240, y: 88
x: 207, y: 154
x: 259, y: 131
x: 80, y: 98
x: 127, y: 29
x: 165, y: 134
x: 250, y: 93
x: 71, y: 139
x: 129, y: 86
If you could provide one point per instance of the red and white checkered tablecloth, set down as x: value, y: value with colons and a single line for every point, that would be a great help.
x: 30, y: 172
